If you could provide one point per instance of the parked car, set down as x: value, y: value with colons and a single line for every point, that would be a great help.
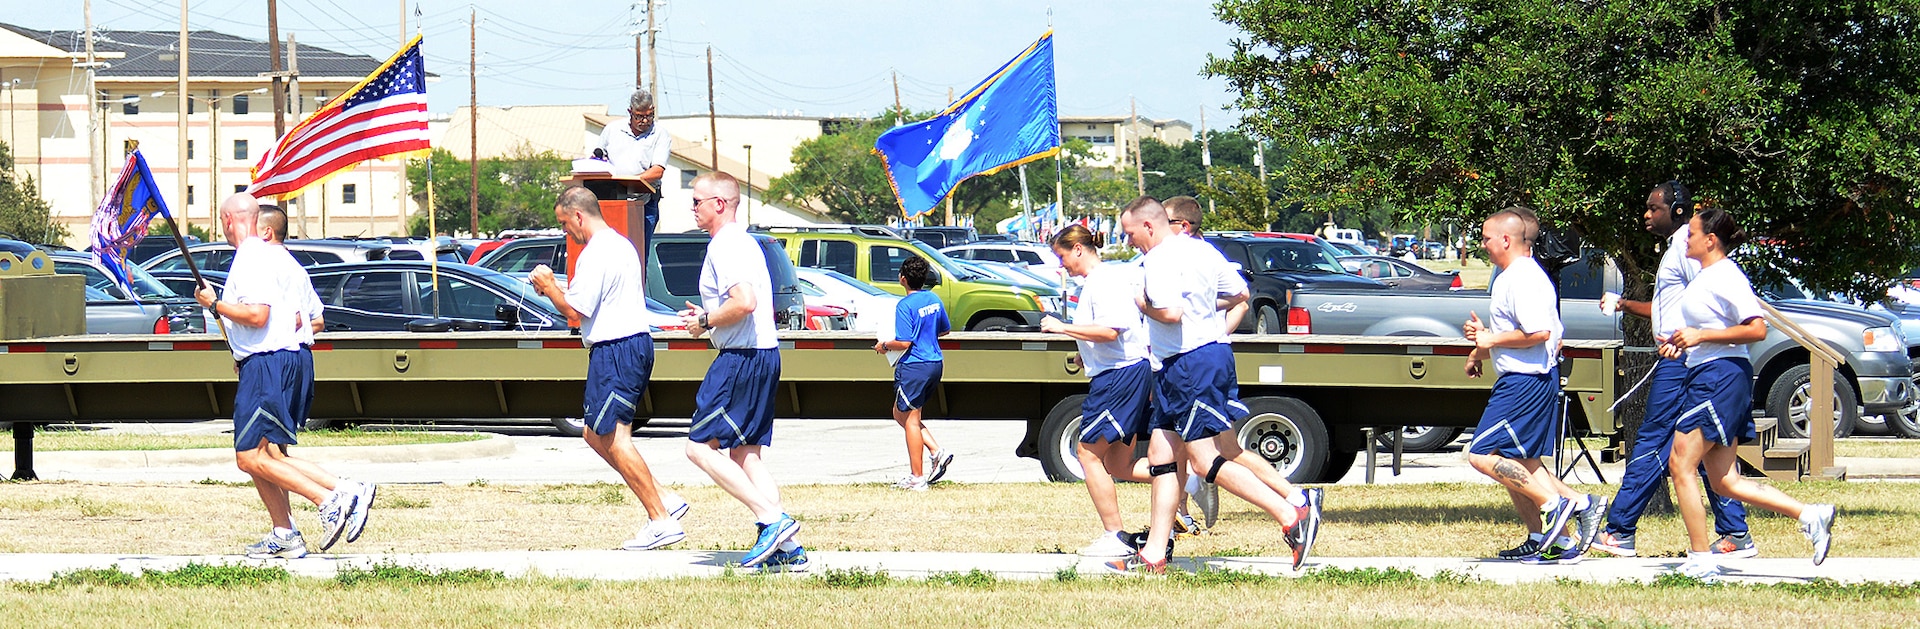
x: 941, y: 237
x: 180, y: 281
x: 154, y: 245
x: 1274, y: 267
x: 218, y: 256
x: 1397, y: 273
x: 1435, y: 250
x: 385, y: 296
x: 1006, y: 272
x: 152, y: 308
x: 868, y: 304
x: 997, y: 238
x: 673, y: 279
x: 1400, y: 244
x: 973, y: 300
x: 1028, y: 255
x: 1347, y: 249
x: 519, y: 256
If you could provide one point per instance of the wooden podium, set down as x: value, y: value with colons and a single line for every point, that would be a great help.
x: 623, y: 205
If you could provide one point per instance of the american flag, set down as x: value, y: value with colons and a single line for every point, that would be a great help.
x: 384, y: 116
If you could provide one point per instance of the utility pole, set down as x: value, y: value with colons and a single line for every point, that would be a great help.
x: 639, y: 49
x: 653, y: 58
x: 896, y: 98
x: 273, y: 66
x: 713, y: 120
x: 747, y: 210
x: 1260, y: 162
x: 899, y: 115
x: 1206, y: 156
x: 473, y: 122
x: 213, y: 159
x: 181, y: 135
x: 403, y: 36
x: 293, y: 103
x: 93, y: 114
x: 1139, y: 167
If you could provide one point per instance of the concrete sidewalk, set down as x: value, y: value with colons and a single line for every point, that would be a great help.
x: 664, y: 564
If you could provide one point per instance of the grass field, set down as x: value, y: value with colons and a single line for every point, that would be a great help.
x: 239, y: 596
x: 1440, y: 520
x: 58, y: 440
x: 1474, y: 274
x: 1878, y: 448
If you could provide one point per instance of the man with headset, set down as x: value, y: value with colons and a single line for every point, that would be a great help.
x: 1669, y: 207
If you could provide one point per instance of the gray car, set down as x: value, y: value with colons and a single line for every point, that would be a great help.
x: 1398, y: 273
x: 218, y: 256
x: 111, y: 310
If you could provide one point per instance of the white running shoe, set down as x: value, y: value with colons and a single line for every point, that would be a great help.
x: 1817, y: 523
x: 333, y: 516
x: 363, y: 502
x: 911, y: 483
x: 940, y: 459
x: 276, y: 547
x: 656, y: 534
x: 676, y: 506
x: 1703, y: 568
x: 1108, y: 545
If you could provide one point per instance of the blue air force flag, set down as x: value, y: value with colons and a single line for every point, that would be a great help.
x: 121, y: 220
x: 1009, y: 119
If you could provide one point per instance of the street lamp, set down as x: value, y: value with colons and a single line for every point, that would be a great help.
x: 749, y: 207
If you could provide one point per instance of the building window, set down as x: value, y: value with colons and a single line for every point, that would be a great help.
x: 686, y: 179
x: 190, y: 200
x: 349, y: 194
x: 239, y: 188
x: 240, y: 105
x: 239, y: 149
x: 130, y: 104
x: 190, y: 107
x: 189, y: 149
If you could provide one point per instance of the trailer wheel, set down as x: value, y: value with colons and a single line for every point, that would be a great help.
x: 1424, y: 438
x: 569, y: 426
x: 1059, y: 436
x: 1288, y: 434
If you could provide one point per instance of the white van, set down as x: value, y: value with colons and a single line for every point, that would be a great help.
x: 1349, y: 236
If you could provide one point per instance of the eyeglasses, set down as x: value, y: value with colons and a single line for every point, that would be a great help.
x: 698, y: 201
x: 640, y: 115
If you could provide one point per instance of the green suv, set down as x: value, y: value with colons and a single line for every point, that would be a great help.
x: 874, y: 254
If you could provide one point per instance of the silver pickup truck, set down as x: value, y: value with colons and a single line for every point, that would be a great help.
x: 1878, y: 377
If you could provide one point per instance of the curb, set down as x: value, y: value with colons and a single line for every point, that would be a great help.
x: 492, y: 446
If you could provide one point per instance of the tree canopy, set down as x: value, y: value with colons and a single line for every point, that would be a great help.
x: 1798, y: 116
x: 517, y: 191
x: 22, y: 212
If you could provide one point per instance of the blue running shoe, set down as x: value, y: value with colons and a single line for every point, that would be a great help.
x: 771, y: 536
x: 785, y: 561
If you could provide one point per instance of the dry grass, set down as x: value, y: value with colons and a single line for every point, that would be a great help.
x: 58, y: 440
x: 825, y: 602
x: 1878, y: 448
x: 1476, y: 274
x: 1408, y: 520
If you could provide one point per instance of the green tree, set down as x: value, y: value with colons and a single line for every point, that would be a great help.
x: 23, y: 213
x: 517, y: 191
x: 1799, y: 116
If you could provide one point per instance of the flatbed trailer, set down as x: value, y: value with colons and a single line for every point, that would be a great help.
x: 1313, y: 396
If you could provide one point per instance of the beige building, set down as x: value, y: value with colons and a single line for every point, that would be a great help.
x: 1109, y: 135
x: 71, y: 143
x: 568, y: 129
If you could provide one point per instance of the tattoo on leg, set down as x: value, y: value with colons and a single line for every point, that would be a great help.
x: 1512, y: 471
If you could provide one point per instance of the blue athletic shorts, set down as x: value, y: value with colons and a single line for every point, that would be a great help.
x: 735, y: 402
x: 1718, y: 401
x: 617, y: 373
x: 913, y: 383
x: 263, y: 405
x: 1522, y: 419
x: 1118, y: 405
x: 1197, y: 393
x: 301, y: 404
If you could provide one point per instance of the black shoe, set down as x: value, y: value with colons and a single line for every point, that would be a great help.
x: 1137, y: 540
x: 1526, y: 549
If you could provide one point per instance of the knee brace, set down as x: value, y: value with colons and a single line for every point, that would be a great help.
x: 1218, y: 462
x: 1161, y: 470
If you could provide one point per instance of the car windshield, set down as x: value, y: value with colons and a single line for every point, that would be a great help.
x: 521, y: 291
x: 144, y: 284
x: 1294, y: 256
x: 946, y: 262
x: 853, y: 283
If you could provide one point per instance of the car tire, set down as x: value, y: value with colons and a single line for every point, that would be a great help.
x: 1425, y: 438
x: 1906, y: 423
x: 1059, y: 436
x: 1268, y: 321
x: 569, y: 426
x: 1793, y: 390
x: 993, y: 324
x: 1288, y: 434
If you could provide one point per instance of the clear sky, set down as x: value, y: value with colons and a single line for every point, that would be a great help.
x: 816, y: 57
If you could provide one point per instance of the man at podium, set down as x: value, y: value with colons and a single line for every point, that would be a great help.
x: 637, y: 150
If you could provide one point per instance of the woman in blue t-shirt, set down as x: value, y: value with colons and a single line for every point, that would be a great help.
x: 919, y: 322
x: 1720, y: 317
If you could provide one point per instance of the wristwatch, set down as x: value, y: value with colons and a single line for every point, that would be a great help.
x: 703, y: 322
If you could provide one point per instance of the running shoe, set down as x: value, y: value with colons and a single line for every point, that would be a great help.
x: 1555, y: 555
x: 1316, y: 500
x: 1555, y: 517
x: 656, y: 534
x: 363, y: 502
x: 1702, y: 568
x: 1588, y: 523
x: 786, y: 561
x: 1735, y: 546
x: 1184, y: 525
x: 770, y: 538
x: 1135, y: 564
x: 676, y: 506
x: 911, y: 483
x: 1136, y: 541
x: 1819, y: 529
x: 1526, y: 549
x: 276, y: 547
x: 333, y: 516
x: 1296, y: 537
x: 940, y: 460
x: 1208, y: 499
x: 1617, y: 544
x: 1109, y: 545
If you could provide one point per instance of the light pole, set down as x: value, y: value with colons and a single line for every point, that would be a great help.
x: 213, y: 154
x: 748, y: 208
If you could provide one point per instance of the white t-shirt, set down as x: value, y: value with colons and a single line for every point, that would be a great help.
x: 1676, y: 270
x: 1184, y: 272
x: 733, y: 257
x: 257, y: 278
x: 1718, y: 298
x: 1105, y: 298
x: 605, y: 289
x: 300, y: 293
x: 631, y: 155
x: 1523, y: 299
